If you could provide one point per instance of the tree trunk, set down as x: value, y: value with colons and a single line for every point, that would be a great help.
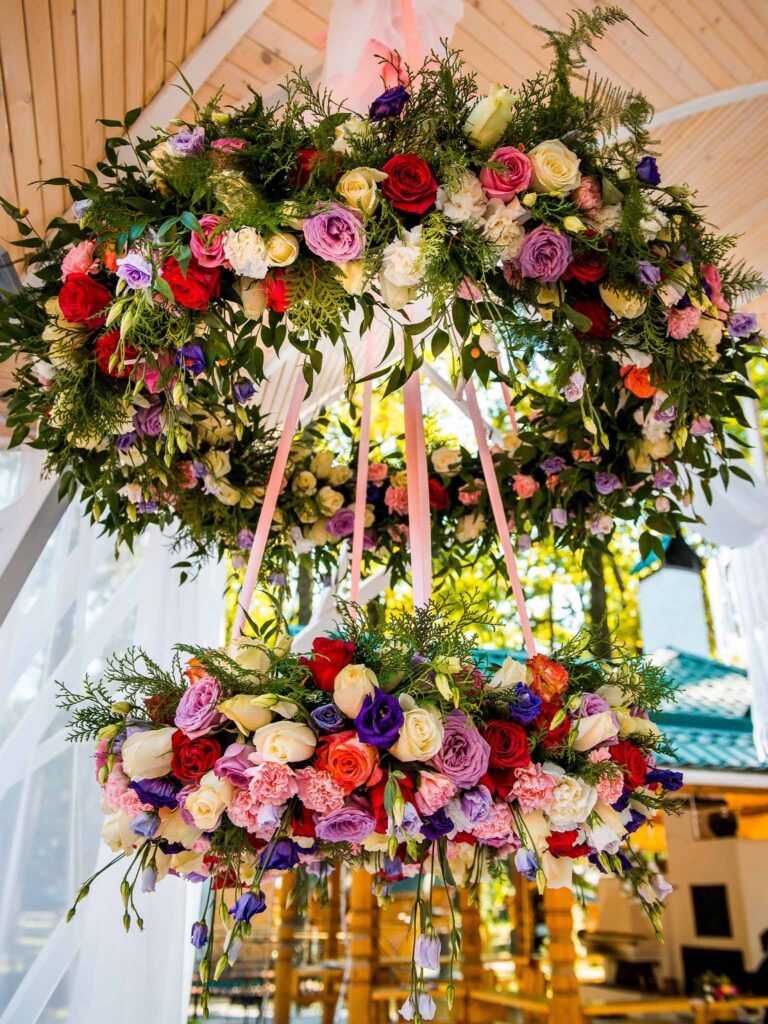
x: 305, y: 589
x: 598, y: 612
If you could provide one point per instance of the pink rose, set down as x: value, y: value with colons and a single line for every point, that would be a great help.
x: 377, y: 472
x: 152, y: 374
x: 681, y: 322
x: 533, y: 787
x: 79, y: 260
x: 524, y: 486
x: 589, y: 195
x: 396, y: 500
x: 434, y: 792
x: 209, y: 251
x: 468, y: 290
x: 469, y: 494
x: 229, y: 145
x: 515, y: 177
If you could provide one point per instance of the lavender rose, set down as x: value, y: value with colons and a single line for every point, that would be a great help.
x: 135, y: 270
x: 606, y: 483
x: 197, y: 714
x: 742, y: 325
x: 593, y: 704
x: 665, y: 478
x: 554, y: 464
x: 545, y: 254
x: 464, y: 754
x: 188, y: 143
x: 335, y: 233
x: 234, y: 763
x: 148, y: 420
x: 342, y: 524
x: 347, y: 825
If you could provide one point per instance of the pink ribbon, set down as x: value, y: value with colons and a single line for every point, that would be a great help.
x: 269, y: 504
x: 497, y: 505
x: 419, y: 522
x: 361, y: 485
x: 410, y: 34
x: 507, y: 397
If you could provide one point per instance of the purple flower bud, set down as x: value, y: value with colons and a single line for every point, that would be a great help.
x: 148, y: 879
x: 247, y: 905
x: 245, y: 540
x: 648, y: 274
x: 606, y: 483
x: 648, y: 171
x: 199, y: 935
x: 189, y: 143
x: 665, y: 478
x: 526, y: 864
x: 244, y: 389
x: 558, y: 517
x: 389, y: 104
x: 146, y: 824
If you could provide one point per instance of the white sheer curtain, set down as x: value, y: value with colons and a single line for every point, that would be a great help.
x: 78, y: 605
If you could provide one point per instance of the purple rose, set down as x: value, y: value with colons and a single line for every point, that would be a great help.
x: 464, y: 754
x: 135, y: 270
x: 545, y: 254
x: 245, y: 539
x: 554, y: 464
x: 525, y: 705
x: 665, y: 478
x: 189, y: 143
x: 741, y: 325
x: 342, y: 523
x: 196, y: 714
x: 148, y: 420
x: 327, y: 718
x: 191, y: 356
x: 370, y: 540
x: 476, y: 804
x: 648, y: 274
x: 648, y: 171
x: 389, y: 104
x: 379, y: 720
x: 283, y: 856
x: 244, y: 389
x: 124, y: 441
x: 558, y: 517
x: 335, y: 233
x: 701, y: 425
x: 156, y: 792
x: 234, y: 763
x: 593, y: 704
x: 606, y: 483
x: 346, y: 825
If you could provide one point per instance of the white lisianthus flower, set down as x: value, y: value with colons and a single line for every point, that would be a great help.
x: 470, y: 527
x: 421, y: 734
x: 511, y: 673
x: 572, y: 802
x: 132, y: 457
x: 117, y: 834
x: 396, y: 296
x: 654, y: 223
x: 594, y: 729
x: 464, y: 202
x: 247, y: 252
x: 249, y: 654
x: 446, y: 461
x: 555, y: 168
x: 630, y: 725
x: 401, y: 264
x: 350, y: 688
x: 345, y: 131
x: 285, y: 742
x: 558, y: 871
x: 358, y: 188
x: 147, y: 754
x: 605, y: 218
x: 489, y: 117
x: 173, y: 828
x: 503, y: 225
x: 282, y: 249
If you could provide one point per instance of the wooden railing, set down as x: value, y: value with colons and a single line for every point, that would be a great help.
x: 702, y: 1013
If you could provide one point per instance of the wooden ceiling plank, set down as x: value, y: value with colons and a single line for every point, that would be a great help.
x: 479, y: 58
x: 134, y: 53
x: 268, y: 32
x: 752, y: 17
x: 673, y: 21
x: 8, y: 232
x: 299, y: 20
x: 478, y: 21
x: 213, y: 11
x: 37, y: 17
x: 89, y: 65
x: 154, y: 47
x: 67, y: 99
x: 258, y: 62
x: 113, y: 57
x: 175, y: 34
x: 195, y: 25
x: 21, y: 114
x: 743, y: 41
x: 737, y: 54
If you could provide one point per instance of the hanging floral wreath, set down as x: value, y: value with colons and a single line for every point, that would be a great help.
x: 390, y: 747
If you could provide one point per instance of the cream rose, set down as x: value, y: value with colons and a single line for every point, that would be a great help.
x: 511, y: 672
x: 629, y: 725
x: 318, y: 533
x: 249, y: 654
x: 572, y: 802
x: 329, y: 501
x: 594, y: 729
x: 346, y: 131
x: 117, y: 834
x: 173, y: 828
x: 446, y: 461
x: 218, y: 463
x: 247, y: 252
x: 245, y: 711
x: 351, y: 686
x: 147, y: 754
x: 339, y: 475
x: 358, y: 188
x: 622, y: 304
x: 711, y: 332
x: 555, y: 168
x: 421, y: 734
x: 463, y: 202
x: 207, y: 803
x: 351, y: 276
x: 321, y: 465
x: 304, y: 482
x: 284, y: 742
x: 282, y: 249
x: 489, y: 117
x: 396, y: 296
x: 226, y: 494
x: 470, y: 527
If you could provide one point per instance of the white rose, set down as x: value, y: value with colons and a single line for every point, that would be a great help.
x: 252, y: 295
x: 339, y: 475
x: 711, y: 332
x: 622, y: 304
x: 321, y: 464
x: 358, y: 188
x: 329, y: 501
x: 351, y: 276
x: 401, y: 264
x: 304, y: 482
x: 489, y: 117
x: 464, y: 202
x: 555, y: 168
x: 246, y: 712
x: 285, y: 741
x: 117, y: 834
x: 351, y: 686
x: 613, y: 694
x: 224, y: 493
x: 511, y: 673
x: 594, y: 729
x: 282, y: 249
x: 503, y: 225
x: 470, y: 527
x: 218, y: 463
x: 396, y: 296
x: 247, y: 253
x: 572, y: 802
x: 446, y: 461
x: 147, y: 754
x: 249, y: 654
x: 345, y: 131
x: 207, y: 803
x: 629, y: 725
x: 421, y: 734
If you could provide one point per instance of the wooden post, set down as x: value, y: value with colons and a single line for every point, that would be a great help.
x: 471, y: 955
x: 284, y: 964
x: 363, y: 947
x: 565, y: 1007
x: 333, y: 912
x: 529, y: 979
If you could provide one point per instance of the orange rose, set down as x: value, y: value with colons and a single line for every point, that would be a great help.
x: 548, y: 679
x: 638, y: 381
x: 349, y: 762
x: 194, y: 671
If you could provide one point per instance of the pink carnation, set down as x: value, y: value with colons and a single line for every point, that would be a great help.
x: 209, y: 250
x: 469, y: 495
x: 610, y: 788
x: 79, y: 260
x: 318, y: 791
x: 131, y: 805
x: 399, y: 533
x: 115, y: 786
x: 396, y: 499
x: 228, y: 145
x: 524, y: 486
x: 201, y: 845
x: 243, y: 811
x: 434, y: 792
x: 532, y: 787
x: 589, y: 195
x: 272, y: 783
x: 497, y: 827
x: 680, y: 322
x: 377, y: 472
x: 599, y: 754
x: 185, y: 475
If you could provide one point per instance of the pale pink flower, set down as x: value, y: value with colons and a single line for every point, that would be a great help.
x: 434, y: 792
x: 396, y: 499
x: 201, y: 845
x: 524, y: 486
x: 399, y: 533
x: 318, y: 791
x: 469, y: 495
x: 589, y: 195
x: 377, y: 472
x: 79, y: 260
x: 243, y: 811
x: 610, y: 788
x: 681, y: 322
x: 131, y: 805
x: 272, y: 783
x: 469, y: 290
x: 497, y: 827
x: 599, y: 754
x: 712, y: 276
x: 532, y: 787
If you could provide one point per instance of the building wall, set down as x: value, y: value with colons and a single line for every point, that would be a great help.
x: 672, y: 612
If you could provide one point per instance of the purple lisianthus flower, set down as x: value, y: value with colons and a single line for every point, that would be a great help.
x: 146, y: 824
x: 574, y: 389
x: 464, y: 753
x: 669, y: 780
x: 135, y: 270
x: 346, y: 825
x: 526, y: 864
x: 647, y: 171
x: 342, y: 524
x: 558, y: 517
x: 156, y: 792
x: 146, y: 507
x: 189, y: 143
x: 425, y: 1004
x: 243, y: 390
x: 327, y: 718
x: 199, y: 469
x: 373, y: 493
x: 245, y: 539
x: 277, y: 579
x: 701, y: 425
x: 435, y: 826
x: 379, y: 720
x: 197, y: 714
x: 665, y: 478
x: 666, y: 415
x: 392, y: 867
x: 660, y: 886
x: 148, y: 420
x: 247, y: 905
x: 234, y: 763
x: 148, y: 879
x: 525, y: 706
x: 199, y: 935
x: 524, y: 542
x: 124, y: 441
x: 191, y: 356
x: 283, y: 856
x: 741, y: 325
x: 80, y: 208
x: 426, y: 952
x: 476, y: 804
x: 389, y: 104
x: 545, y: 254
x: 553, y: 465
x: 648, y: 274
x: 636, y: 821
x: 335, y: 233
x: 606, y: 483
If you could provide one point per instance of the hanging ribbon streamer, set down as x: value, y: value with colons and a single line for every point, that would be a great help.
x: 361, y: 485
x: 507, y: 397
x: 269, y: 504
x: 419, y: 522
x: 494, y: 495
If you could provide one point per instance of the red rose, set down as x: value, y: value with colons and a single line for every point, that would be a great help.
x: 543, y: 722
x: 509, y: 750
x: 438, y: 496
x: 633, y: 764
x: 303, y: 823
x: 106, y: 346
x: 276, y: 290
x: 586, y: 267
x: 193, y: 758
x: 410, y: 186
x: 599, y: 314
x: 83, y: 300
x: 563, y: 844
x: 306, y: 162
x: 222, y: 876
x: 548, y: 679
x: 329, y: 657
x: 196, y: 288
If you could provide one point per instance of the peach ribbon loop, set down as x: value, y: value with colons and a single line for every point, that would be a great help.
x: 419, y: 522
x: 497, y: 505
x: 269, y: 504
x: 361, y: 485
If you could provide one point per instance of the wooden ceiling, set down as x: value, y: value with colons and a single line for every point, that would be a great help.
x: 63, y: 63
